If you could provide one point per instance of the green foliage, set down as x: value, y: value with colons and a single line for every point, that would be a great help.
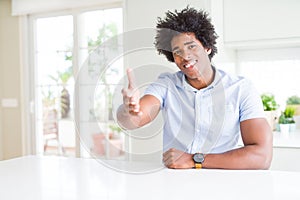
x: 286, y: 117
x: 69, y: 56
x: 115, y: 128
x: 63, y: 76
x: 282, y: 119
x: 289, y: 112
x: 269, y: 102
x: 48, y: 97
x: 293, y: 100
x: 106, y: 32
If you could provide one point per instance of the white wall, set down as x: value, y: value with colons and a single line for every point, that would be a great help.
x: 225, y: 58
x: 10, y: 123
x: 261, y: 21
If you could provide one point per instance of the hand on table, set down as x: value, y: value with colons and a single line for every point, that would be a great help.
x: 177, y: 159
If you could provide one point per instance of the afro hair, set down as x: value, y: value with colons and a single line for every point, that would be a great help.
x: 189, y: 20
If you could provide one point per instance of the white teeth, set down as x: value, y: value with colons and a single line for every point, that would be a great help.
x: 190, y: 64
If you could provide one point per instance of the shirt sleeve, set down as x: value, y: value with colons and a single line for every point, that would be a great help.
x: 251, y: 105
x: 159, y: 88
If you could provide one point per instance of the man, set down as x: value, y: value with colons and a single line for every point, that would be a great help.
x: 205, y: 110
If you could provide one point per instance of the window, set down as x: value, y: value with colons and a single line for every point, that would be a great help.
x: 64, y: 51
x: 54, y: 84
x: 273, y: 71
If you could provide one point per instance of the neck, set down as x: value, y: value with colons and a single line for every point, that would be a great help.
x: 202, y: 81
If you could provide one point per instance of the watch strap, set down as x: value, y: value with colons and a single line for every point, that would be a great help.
x: 198, y: 165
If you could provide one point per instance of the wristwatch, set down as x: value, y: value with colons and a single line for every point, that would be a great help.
x: 198, y: 160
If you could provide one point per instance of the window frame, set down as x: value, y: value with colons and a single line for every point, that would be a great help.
x: 29, y: 75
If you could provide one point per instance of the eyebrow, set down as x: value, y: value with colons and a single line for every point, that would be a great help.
x: 186, y: 43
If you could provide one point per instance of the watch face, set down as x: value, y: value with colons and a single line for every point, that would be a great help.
x: 198, y: 157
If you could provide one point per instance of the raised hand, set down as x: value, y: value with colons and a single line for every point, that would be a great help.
x: 131, y: 95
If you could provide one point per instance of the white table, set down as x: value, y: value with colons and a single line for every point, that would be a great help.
x: 57, y: 178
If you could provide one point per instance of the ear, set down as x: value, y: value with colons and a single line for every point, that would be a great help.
x: 208, y: 51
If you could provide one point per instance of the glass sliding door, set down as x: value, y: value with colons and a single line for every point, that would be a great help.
x: 54, y: 86
x: 69, y: 107
x: 97, y: 79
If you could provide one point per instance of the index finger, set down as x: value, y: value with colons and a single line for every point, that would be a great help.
x: 131, y: 78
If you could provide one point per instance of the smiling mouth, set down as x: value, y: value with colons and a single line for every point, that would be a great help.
x: 190, y: 65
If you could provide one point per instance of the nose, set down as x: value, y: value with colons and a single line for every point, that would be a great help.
x: 185, y: 55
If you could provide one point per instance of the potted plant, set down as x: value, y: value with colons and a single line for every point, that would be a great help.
x: 270, y: 107
x: 269, y: 102
x: 62, y: 77
x: 115, y: 131
x: 289, y: 115
x: 115, y: 141
x: 48, y: 98
x: 294, y: 101
x: 110, y: 145
x: 283, y: 123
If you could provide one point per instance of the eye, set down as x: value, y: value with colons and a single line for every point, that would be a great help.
x: 192, y: 46
x: 177, y: 53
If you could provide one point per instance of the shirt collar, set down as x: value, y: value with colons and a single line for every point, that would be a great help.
x: 217, y: 79
x: 182, y: 82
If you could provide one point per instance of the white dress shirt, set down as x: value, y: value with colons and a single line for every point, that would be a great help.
x: 205, y: 120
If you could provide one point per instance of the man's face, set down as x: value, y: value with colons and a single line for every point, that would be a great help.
x: 190, y: 56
